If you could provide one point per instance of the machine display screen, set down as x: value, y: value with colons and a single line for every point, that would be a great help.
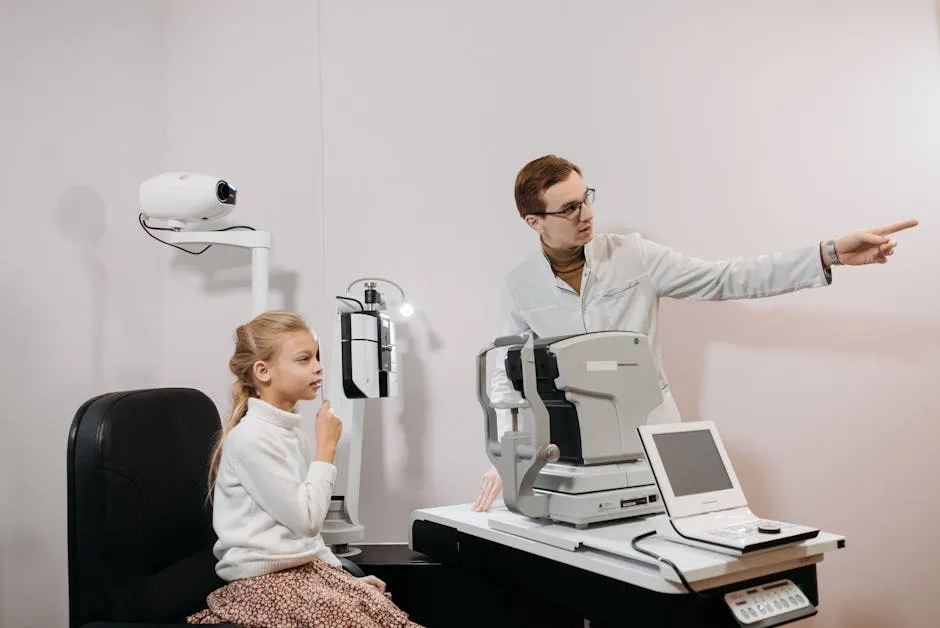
x: 692, y: 462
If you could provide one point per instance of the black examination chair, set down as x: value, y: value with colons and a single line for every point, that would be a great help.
x: 139, y: 525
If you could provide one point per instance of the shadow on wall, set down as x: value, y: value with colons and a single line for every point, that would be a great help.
x: 688, y: 328
x: 82, y: 217
x: 386, y: 509
x: 227, y: 269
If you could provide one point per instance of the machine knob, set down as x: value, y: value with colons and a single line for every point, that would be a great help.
x: 551, y: 453
x: 768, y: 527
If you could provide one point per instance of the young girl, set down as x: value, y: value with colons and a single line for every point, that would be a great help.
x: 270, y: 497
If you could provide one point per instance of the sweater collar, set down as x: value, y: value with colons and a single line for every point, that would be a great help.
x: 264, y: 411
x: 564, y: 260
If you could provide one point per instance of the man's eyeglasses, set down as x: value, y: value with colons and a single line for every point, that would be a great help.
x: 569, y: 210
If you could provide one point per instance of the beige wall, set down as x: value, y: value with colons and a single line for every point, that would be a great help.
x: 731, y: 129
x: 722, y: 129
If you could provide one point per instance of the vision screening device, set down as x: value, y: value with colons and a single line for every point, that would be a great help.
x: 580, y: 461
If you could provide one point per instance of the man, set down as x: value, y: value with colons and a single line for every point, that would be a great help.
x: 581, y: 282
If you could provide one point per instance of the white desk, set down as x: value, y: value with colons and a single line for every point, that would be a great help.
x: 606, y: 550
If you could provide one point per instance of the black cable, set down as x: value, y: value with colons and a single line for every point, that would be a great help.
x: 151, y: 228
x: 661, y: 559
x: 356, y: 301
x: 147, y: 229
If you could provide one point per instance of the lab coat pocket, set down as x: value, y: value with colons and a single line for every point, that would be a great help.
x: 618, y: 291
x: 616, y: 305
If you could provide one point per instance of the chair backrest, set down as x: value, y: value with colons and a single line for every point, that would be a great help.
x: 139, y: 526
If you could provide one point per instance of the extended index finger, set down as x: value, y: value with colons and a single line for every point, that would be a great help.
x: 898, y: 226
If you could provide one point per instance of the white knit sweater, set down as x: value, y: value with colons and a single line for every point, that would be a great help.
x: 270, y: 497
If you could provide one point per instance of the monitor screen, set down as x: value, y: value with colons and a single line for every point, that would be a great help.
x: 692, y: 462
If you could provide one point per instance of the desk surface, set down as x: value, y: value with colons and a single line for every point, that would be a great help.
x: 701, y: 567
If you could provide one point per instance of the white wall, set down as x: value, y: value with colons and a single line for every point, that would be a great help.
x: 242, y: 102
x: 96, y: 98
x: 729, y: 129
x: 81, y: 119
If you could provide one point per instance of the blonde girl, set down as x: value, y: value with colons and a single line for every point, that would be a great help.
x: 271, y: 493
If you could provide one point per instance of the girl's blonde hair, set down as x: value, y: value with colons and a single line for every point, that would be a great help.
x: 257, y: 340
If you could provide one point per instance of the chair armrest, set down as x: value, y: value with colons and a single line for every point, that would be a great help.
x: 351, y: 567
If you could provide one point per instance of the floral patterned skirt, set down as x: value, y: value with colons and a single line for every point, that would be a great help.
x: 312, y: 595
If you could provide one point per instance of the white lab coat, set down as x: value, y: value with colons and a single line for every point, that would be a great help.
x: 623, y: 279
